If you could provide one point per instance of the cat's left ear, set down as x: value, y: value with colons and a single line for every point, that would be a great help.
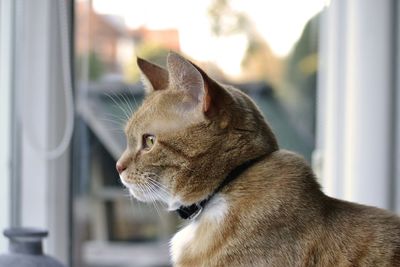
x: 187, y: 76
x: 154, y: 77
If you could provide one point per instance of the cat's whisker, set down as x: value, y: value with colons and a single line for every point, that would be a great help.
x: 134, y: 99
x: 157, y: 182
x: 158, y: 185
x: 123, y: 100
x: 160, y: 196
x: 128, y: 103
x: 141, y: 189
x: 118, y: 124
x: 133, y: 206
x: 126, y: 114
x: 156, y: 191
x: 161, y: 207
x: 152, y: 195
x: 145, y: 193
x: 140, y: 205
x: 116, y: 127
x: 132, y: 95
x: 113, y: 122
x: 114, y: 118
x: 125, y: 105
x: 112, y: 115
x: 162, y: 193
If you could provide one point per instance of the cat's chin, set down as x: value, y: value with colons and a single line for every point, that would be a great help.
x: 138, y: 196
x: 134, y: 192
x: 173, y: 203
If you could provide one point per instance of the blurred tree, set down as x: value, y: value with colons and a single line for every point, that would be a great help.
x: 259, y: 62
x: 225, y: 20
x: 293, y: 77
x: 95, y: 66
x: 299, y: 90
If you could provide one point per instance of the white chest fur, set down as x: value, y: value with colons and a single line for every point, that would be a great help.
x: 214, y: 211
x: 181, y: 239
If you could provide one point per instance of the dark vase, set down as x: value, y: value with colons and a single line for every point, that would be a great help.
x: 26, y: 250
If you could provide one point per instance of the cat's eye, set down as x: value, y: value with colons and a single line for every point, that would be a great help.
x: 148, y: 141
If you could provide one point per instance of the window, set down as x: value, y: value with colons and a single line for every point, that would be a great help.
x: 355, y: 141
x: 264, y: 48
x: 5, y: 116
x: 276, y: 51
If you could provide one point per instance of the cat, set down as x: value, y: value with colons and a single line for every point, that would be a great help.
x: 206, y: 151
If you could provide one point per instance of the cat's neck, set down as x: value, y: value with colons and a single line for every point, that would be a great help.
x: 192, y: 211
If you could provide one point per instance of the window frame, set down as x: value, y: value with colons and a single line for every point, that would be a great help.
x: 6, y: 55
x: 356, y: 59
x: 36, y: 189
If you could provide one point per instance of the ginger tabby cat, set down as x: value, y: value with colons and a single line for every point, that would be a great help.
x: 205, y: 149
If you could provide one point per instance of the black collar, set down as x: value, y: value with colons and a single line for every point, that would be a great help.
x: 190, y: 212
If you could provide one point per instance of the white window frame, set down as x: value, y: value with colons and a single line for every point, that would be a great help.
x: 355, y: 133
x: 33, y: 75
x: 397, y: 112
x: 6, y: 52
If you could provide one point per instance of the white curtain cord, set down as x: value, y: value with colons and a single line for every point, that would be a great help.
x: 62, y: 146
x: 67, y: 84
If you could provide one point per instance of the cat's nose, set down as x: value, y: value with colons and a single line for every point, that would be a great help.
x: 120, y: 167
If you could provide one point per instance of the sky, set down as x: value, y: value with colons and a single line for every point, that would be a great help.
x: 280, y: 22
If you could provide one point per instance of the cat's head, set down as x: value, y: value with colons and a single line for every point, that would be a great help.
x: 188, y: 134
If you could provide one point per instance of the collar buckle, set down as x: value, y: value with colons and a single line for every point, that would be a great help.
x: 190, y: 212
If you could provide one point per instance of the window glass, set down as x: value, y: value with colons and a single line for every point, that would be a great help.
x: 269, y: 49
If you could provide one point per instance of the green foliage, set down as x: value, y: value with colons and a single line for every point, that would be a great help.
x: 225, y: 20
x: 96, y: 67
x: 151, y: 52
x: 301, y: 77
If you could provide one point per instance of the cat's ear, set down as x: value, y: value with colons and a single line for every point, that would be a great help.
x: 185, y: 75
x: 154, y: 77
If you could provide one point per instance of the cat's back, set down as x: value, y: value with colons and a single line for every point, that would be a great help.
x: 362, y: 235
x: 294, y: 224
x: 342, y: 233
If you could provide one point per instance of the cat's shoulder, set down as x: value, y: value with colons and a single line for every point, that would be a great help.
x: 287, y: 155
x: 286, y: 160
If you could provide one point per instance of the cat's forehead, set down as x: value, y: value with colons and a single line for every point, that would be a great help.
x: 161, y: 112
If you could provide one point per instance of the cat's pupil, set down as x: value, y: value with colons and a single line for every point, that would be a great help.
x: 148, y: 141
